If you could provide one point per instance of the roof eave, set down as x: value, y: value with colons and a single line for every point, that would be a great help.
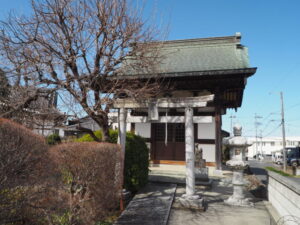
x: 247, y: 72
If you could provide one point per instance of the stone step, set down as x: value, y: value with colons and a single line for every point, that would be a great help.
x: 150, y: 206
x: 177, y: 179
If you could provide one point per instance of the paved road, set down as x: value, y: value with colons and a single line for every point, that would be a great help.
x: 257, y: 167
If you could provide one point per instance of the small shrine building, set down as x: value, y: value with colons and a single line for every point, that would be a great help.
x: 208, y: 76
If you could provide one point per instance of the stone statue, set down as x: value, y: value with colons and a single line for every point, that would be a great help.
x: 201, y: 172
x: 199, y: 161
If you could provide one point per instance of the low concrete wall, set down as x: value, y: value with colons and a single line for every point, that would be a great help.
x: 284, y: 195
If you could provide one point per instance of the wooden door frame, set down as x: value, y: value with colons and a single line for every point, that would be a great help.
x: 153, y: 146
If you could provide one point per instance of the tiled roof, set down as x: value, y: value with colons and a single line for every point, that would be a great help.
x: 203, y: 54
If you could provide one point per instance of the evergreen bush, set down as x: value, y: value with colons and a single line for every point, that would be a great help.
x: 136, y: 168
x: 88, y: 138
x: 53, y: 139
x: 136, y: 163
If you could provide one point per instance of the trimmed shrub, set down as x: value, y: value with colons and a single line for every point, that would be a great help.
x: 23, y: 172
x: 136, y: 168
x: 88, y: 138
x: 53, y: 139
x: 91, y: 171
x: 23, y: 154
x: 136, y: 163
x: 136, y: 160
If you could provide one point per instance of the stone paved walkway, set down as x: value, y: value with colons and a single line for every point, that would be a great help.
x: 217, y: 213
x: 151, y: 206
x: 155, y: 206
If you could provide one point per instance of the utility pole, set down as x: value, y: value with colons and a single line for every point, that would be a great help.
x: 256, y: 124
x: 283, y: 131
x: 231, y: 117
x: 261, y: 151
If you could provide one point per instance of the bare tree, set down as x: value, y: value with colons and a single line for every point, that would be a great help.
x: 31, y: 106
x: 82, y: 47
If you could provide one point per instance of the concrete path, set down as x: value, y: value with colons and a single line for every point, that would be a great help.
x: 217, y: 213
x: 154, y: 205
x: 151, y: 206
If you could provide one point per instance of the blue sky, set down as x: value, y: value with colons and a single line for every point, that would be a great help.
x: 271, y: 31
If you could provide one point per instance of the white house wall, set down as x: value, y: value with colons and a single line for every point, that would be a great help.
x: 207, y: 130
x: 268, y: 145
x: 208, y: 152
x: 143, y: 129
x: 115, y: 126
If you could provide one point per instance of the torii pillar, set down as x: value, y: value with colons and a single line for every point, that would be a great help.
x: 189, y: 153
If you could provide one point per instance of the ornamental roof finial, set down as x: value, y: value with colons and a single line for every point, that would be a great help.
x: 237, y: 130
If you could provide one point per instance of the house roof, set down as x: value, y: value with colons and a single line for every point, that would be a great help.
x: 202, y: 54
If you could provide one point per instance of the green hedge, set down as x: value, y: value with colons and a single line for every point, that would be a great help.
x: 136, y: 159
x: 88, y: 138
x: 53, y: 139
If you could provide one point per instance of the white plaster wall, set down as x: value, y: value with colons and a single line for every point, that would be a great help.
x: 115, y: 126
x: 283, y: 199
x: 207, y: 130
x: 208, y: 152
x: 61, y: 132
x: 45, y: 133
x: 143, y: 129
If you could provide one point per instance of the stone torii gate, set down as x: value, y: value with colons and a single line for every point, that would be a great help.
x: 188, y: 103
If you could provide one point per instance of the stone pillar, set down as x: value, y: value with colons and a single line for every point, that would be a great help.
x: 190, y: 199
x: 189, y: 152
x: 122, y: 129
x: 122, y: 141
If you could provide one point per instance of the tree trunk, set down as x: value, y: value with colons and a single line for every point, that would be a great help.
x: 105, y: 129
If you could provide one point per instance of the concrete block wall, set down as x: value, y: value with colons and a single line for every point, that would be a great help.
x: 284, y: 195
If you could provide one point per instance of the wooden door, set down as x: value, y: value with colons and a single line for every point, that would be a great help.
x: 174, y: 148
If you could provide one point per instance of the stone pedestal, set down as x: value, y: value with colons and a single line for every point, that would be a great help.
x: 190, y: 202
x: 238, y: 197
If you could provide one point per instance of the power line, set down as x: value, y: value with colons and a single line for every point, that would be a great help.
x: 272, y: 130
x: 293, y: 106
x: 266, y: 126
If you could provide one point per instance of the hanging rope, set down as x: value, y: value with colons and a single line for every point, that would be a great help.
x: 166, y: 132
